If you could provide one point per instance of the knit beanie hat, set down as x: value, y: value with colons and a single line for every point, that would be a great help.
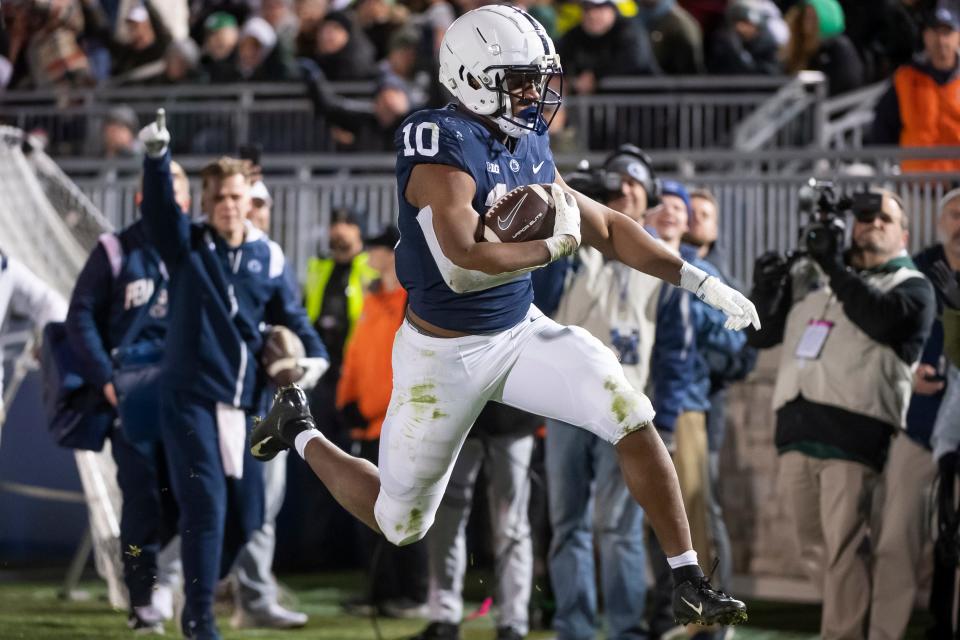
x: 830, y: 16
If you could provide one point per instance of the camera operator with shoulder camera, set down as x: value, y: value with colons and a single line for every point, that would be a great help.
x: 852, y: 332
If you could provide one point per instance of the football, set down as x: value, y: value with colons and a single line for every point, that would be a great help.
x: 281, y: 351
x: 526, y: 213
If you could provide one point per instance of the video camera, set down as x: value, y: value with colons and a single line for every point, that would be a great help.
x: 826, y: 214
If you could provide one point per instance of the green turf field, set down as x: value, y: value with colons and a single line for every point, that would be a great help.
x: 30, y: 609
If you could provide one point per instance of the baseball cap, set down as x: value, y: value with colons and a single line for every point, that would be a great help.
x: 388, y: 238
x: 944, y: 14
x: 219, y: 20
x: 674, y: 188
x: 346, y: 215
x: 259, y: 191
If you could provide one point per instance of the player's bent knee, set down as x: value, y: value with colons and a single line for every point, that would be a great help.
x: 402, y: 524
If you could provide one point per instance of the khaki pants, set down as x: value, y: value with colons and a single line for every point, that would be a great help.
x: 830, y: 500
x: 692, y: 462
x: 899, y: 558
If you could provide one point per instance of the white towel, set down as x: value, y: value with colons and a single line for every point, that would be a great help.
x: 232, y: 431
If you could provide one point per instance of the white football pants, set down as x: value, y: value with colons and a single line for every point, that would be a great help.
x: 440, y: 385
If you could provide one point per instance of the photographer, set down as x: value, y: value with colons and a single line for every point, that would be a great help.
x: 851, y: 335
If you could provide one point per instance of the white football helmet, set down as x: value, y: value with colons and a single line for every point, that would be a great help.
x: 487, y: 58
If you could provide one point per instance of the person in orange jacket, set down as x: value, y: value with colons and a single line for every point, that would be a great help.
x: 398, y: 575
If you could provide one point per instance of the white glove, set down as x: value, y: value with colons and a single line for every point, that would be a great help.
x: 566, y: 225
x: 740, y: 311
x: 155, y: 137
x: 313, y: 368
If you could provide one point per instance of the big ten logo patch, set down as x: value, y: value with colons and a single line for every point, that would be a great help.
x: 626, y: 343
x: 138, y: 293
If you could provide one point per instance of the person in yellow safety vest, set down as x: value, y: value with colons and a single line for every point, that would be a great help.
x: 335, y: 286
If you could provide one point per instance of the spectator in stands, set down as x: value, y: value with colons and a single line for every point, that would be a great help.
x: 922, y: 107
x: 280, y: 15
x: 817, y: 42
x: 853, y: 327
x: 604, y: 44
x: 400, y: 69
x: 398, y: 575
x: 310, y: 14
x: 260, y: 205
x: 182, y: 63
x: 501, y: 441
x: 147, y: 38
x: 261, y: 57
x: 342, y: 50
x: 201, y: 10
x: 886, y: 33
x: 219, y: 60
x: 675, y: 36
x: 589, y: 503
x: 42, y: 51
x: 681, y: 396
x: 747, y: 43
x: 899, y: 558
x: 380, y: 20
x: 370, y: 125
x: 119, y: 133
x: 121, y: 290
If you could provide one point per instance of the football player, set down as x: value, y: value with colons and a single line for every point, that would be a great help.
x: 471, y: 333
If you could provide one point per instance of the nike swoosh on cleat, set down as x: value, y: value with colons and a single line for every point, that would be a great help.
x: 504, y: 223
x: 698, y: 609
x: 536, y: 167
x: 256, y: 449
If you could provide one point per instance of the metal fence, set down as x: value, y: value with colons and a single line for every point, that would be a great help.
x: 655, y: 113
x: 758, y: 201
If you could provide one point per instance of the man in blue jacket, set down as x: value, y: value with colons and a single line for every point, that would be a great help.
x: 226, y: 280
x: 120, y: 300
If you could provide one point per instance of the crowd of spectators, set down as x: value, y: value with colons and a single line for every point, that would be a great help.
x: 83, y: 43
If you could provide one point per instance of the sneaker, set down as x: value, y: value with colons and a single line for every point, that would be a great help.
x: 273, y: 617
x: 508, y: 633
x: 695, y: 601
x: 360, y: 606
x: 439, y: 631
x: 162, y: 602
x: 145, y: 621
x: 289, y: 416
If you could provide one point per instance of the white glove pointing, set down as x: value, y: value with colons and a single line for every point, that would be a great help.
x: 155, y: 137
x: 739, y: 310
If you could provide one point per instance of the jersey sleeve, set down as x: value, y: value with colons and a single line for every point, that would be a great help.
x: 429, y: 138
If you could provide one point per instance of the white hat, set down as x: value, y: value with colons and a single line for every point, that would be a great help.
x: 259, y: 192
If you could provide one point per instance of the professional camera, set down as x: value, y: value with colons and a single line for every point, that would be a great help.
x: 826, y: 214
x: 588, y: 181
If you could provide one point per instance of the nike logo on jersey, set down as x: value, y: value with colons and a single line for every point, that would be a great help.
x: 504, y: 223
x: 698, y: 609
x: 536, y: 167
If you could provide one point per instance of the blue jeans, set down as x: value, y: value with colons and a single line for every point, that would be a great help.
x: 588, y: 497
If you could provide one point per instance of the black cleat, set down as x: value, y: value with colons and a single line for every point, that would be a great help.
x: 696, y: 602
x: 289, y: 416
x: 439, y: 631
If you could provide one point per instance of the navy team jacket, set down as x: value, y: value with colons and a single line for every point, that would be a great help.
x: 109, y: 295
x: 220, y: 298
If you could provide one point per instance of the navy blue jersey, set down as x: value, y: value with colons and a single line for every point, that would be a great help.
x: 110, y: 295
x: 220, y: 297
x: 447, y: 136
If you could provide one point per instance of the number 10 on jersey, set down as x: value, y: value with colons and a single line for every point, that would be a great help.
x: 426, y: 138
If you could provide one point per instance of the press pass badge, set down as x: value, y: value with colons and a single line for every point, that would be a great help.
x: 813, y: 338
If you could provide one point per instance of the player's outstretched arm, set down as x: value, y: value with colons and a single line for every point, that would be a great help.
x: 618, y: 236
x: 449, y: 192
x: 166, y: 226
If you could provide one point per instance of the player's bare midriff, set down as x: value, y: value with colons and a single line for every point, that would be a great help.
x: 430, y: 329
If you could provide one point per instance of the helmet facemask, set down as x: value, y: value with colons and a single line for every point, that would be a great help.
x: 511, y: 82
